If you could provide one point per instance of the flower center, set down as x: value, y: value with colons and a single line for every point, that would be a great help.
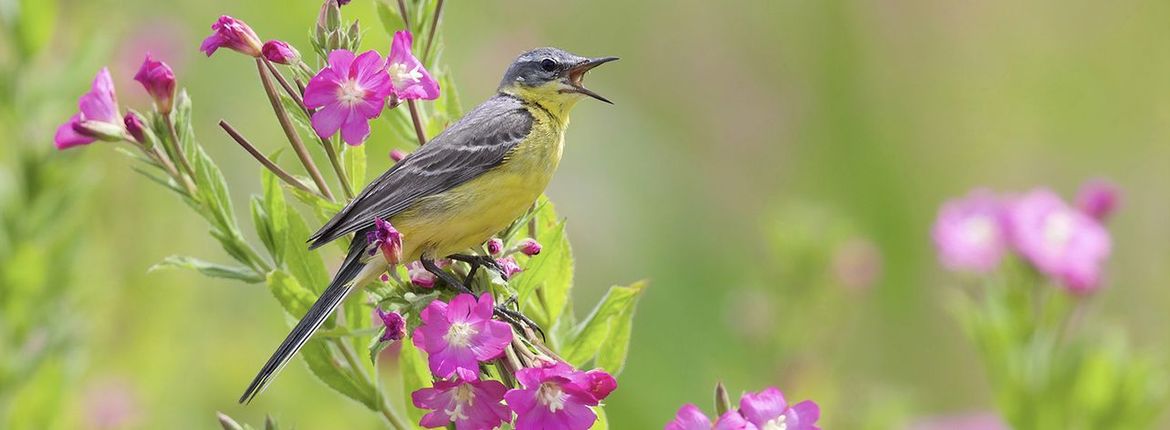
x: 978, y: 230
x: 550, y: 395
x: 460, y: 334
x: 350, y: 92
x: 400, y: 75
x: 463, y: 397
x: 1058, y: 229
x: 779, y: 423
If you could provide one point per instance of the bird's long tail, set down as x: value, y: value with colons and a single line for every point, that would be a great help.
x: 338, y: 289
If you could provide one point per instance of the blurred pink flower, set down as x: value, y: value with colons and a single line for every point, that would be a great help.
x: 98, y: 117
x: 470, y: 405
x: 159, y: 81
x: 419, y: 276
x: 459, y: 335
x: 553, y: 397
x: 411, y: 80
x: 1098, y: 199
x: 348, y: 93
x: 969, y: 233
x: 689, y: 417
x: 1061, y: 242
x: 110, y: 404
x: 768, y: 409
x: 280, y: 52
x: 387, y: 239
x: 231, y: 33
x: 511, y: 268
x: 395, y: 325
x: 976, y: 421
x: 857, y: 264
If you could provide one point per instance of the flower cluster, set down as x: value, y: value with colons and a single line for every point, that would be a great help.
x: 765, y: 410
x: 1068, y: 244
x: 461, y: 336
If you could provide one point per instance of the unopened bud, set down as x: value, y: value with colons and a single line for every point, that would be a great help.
x: 136, y: 127
x: 495, y: 246
x: 397, y: 155
x: 529, y: 247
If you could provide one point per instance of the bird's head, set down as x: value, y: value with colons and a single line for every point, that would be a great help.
x: 551, y: 77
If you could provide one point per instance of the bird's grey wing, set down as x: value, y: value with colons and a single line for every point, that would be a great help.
x: 476, y: 143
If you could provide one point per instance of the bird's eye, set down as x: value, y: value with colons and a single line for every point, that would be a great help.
x: 548, y: 65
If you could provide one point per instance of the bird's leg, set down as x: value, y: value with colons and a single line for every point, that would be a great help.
x: 513, y: 317
x: 479, y: 260
x: 447, y: 277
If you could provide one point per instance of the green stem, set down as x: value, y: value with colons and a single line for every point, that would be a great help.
x: 178, y: 147
x: 289, y: 131
x: 342, y: 177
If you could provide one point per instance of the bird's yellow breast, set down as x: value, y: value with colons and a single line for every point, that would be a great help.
x: 469, y: 214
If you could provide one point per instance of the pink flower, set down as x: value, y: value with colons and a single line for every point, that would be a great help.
x: 1098, y: 199
x: 689, y: 417
x: 159, y: 81
x: 233, y: 34
x: 767, y: 409
x: 1062, y: 242
x: 551, y: 397
x: 969, y: 233
x: 280, y: 52
x: 495, y: 246
x: 511, y: 268
x: 397, y: 155
x: 98, y: 117
x: 349, y: 92
x: 411, y: 80
x: 598, y: 383
x: 529, y: 247
x: 395, y: 325
x: 419, y: 275
x: 386, y: 238
x: 459, y: 335
x: 473, y: 405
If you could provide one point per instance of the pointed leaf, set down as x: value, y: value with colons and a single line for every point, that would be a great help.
x: 550, y: 272
x: 210, y: 269
x: 607, y: 325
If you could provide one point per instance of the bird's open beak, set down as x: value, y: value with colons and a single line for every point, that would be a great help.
x: 577, y: 72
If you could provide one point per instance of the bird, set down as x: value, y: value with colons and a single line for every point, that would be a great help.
x: 457, y: 190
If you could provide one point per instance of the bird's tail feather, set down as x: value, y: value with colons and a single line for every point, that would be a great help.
x: 324, y: 306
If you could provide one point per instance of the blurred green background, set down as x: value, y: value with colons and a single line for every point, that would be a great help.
x: 772, y: 167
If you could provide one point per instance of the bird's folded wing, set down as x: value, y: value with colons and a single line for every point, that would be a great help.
x: 473, y: 145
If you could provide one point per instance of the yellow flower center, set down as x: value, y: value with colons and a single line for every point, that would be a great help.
x: 463, y: 397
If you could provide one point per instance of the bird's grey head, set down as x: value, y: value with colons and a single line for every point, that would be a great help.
x: 541, y: 66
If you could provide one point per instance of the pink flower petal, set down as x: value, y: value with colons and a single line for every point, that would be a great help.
x: 689, y: 417
x: 328, y: 120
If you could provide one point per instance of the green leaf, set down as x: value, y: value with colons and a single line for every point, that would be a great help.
x: 609, y: 325
x: 415, y: 376
x: 305, y: 265
x: 263, y: 227
x: 278, y: 218
x: 388, y: 15
x: 549, y: 275
x: 294, y: 298
x: 210, y: 269
x: 324, y: 209
x: 353, y: 160
x: 326, y: 366
x: 602, y: 421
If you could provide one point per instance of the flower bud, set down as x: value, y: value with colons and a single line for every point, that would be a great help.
x: 397, y: 155
x: 159, y: 81
x: 495, y: 246
x: 233, y: 34
x: 529, y: 247
x: 395, y: 326
x: 135, y: 127
x: 279, y: 52
x: 329, y: 18
x: 1098, y: 199
x: 387, y: 239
